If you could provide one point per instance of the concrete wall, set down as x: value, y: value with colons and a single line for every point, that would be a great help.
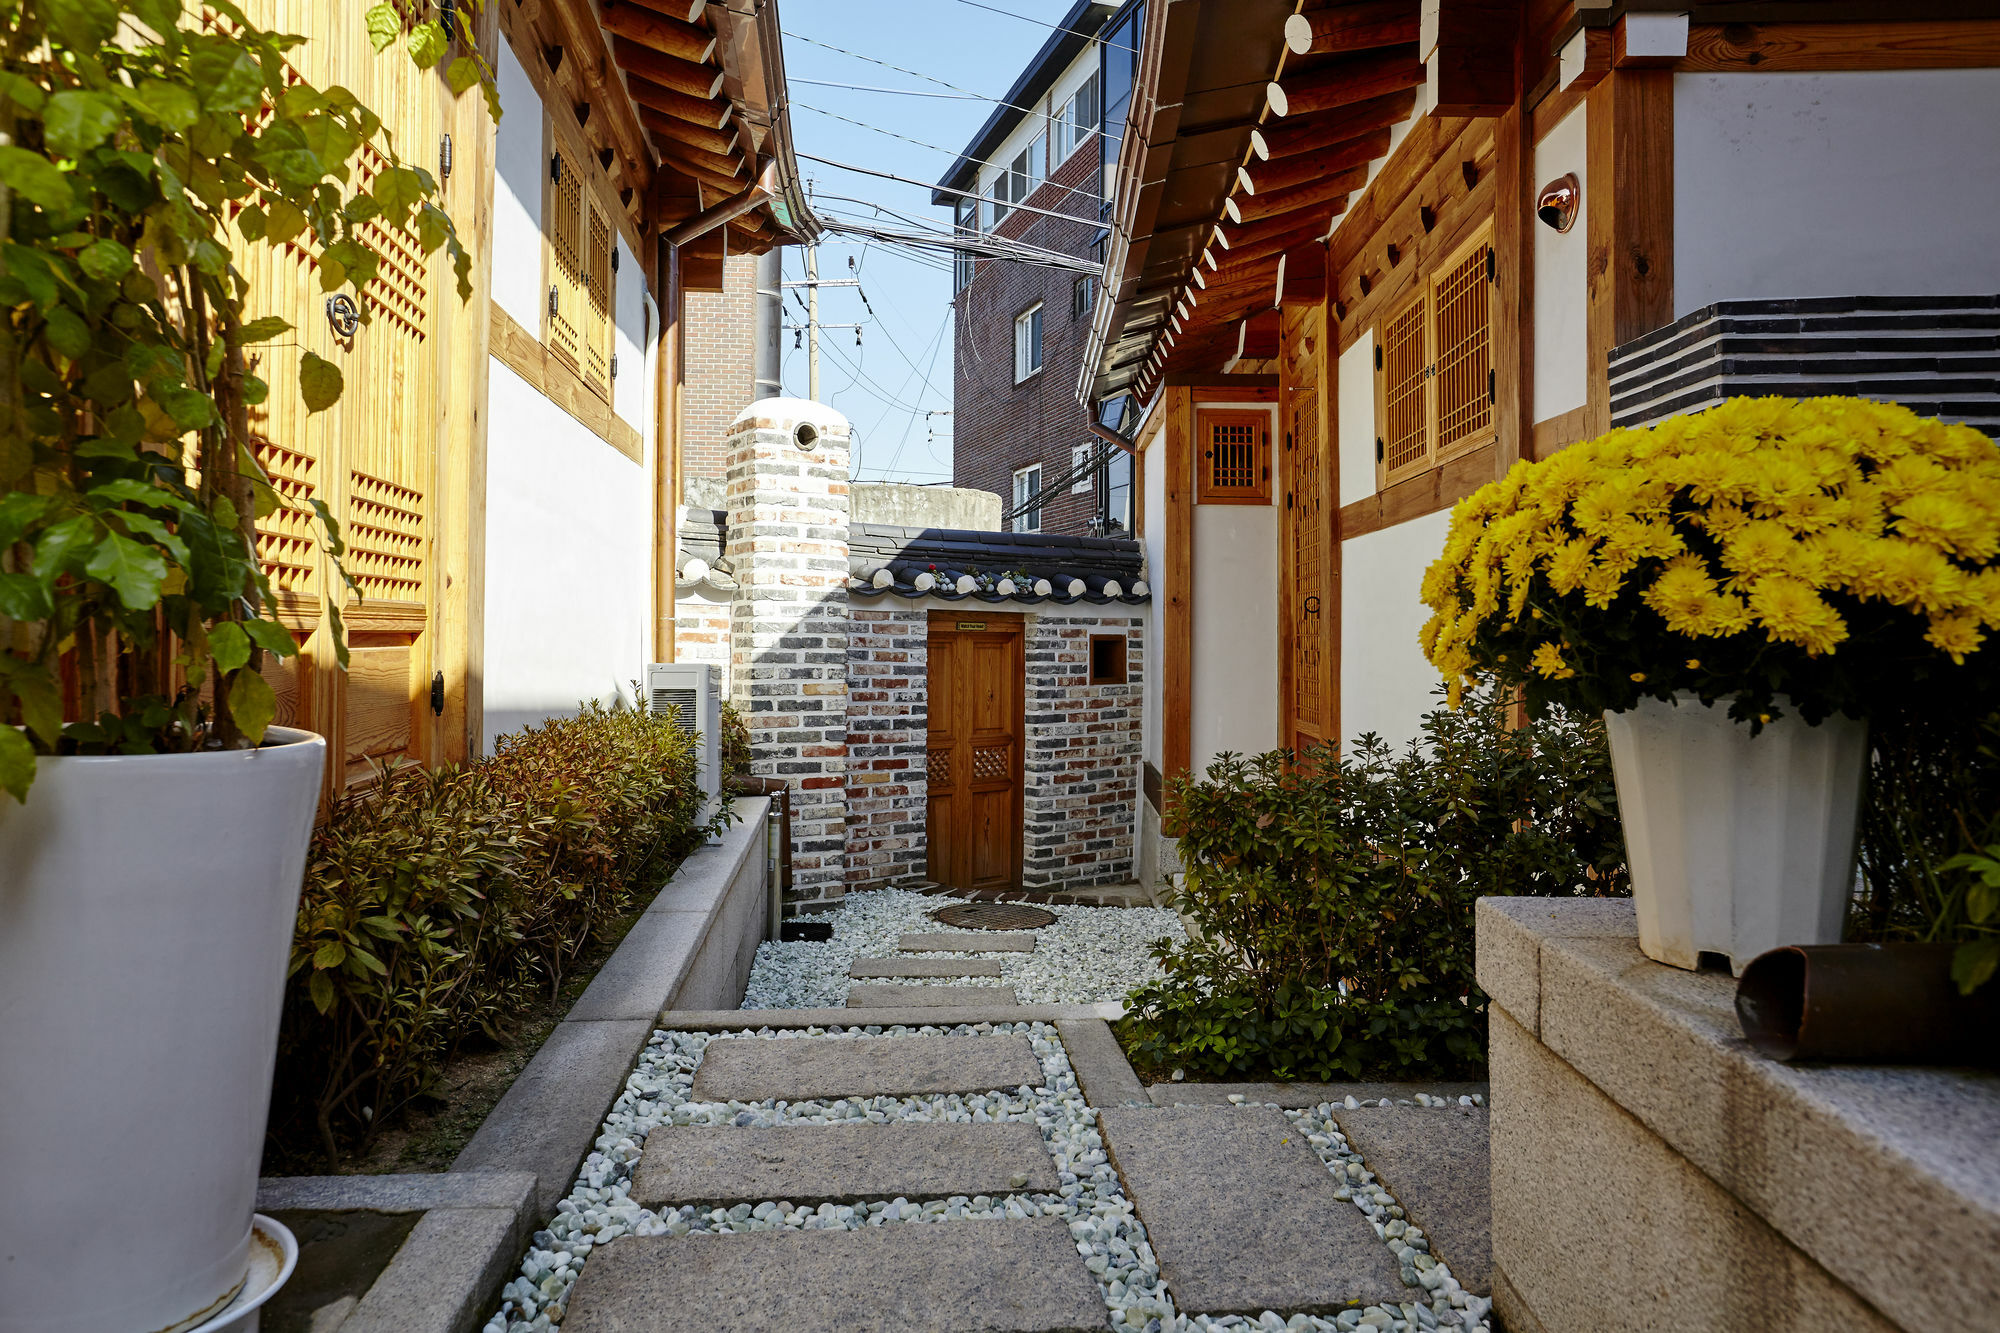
x: 1385, y: 683
x: 569, y: 519
x: 906, y: 506
x: 1841, y: 184
x: 1561, y: 323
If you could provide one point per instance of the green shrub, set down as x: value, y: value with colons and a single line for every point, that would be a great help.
x: 1930, y: 836
x: 438, y: 903
x: 1331, y: 902
x: 735, y: 744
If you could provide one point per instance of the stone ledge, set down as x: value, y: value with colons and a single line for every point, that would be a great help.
x: 395, y: 1194
x: 1507, y: 935
x: 1796, y: 1146
x: 752, y: 1020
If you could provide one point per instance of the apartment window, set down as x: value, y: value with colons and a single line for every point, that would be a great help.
x: 996, y: 202
x: 577, y: 240
x: 1027, y: 491
x: 1028, y: 343
x: 1082, y: 476
x: 1082, y: 293
x: 1078, y: 118
x: 1114, y: 494
x: 1119, y: 47
x: 1434, y: 386
x: 967, y: 221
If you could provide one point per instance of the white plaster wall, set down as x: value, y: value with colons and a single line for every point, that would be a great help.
x: 1235, y: 694
x: 517, y: 197
x: 568, y: 561
x: 1385, y: 681
x: 1562, y: 280
x: 630, y: 335
x: 1857, y: 183
x: 1354, y: 425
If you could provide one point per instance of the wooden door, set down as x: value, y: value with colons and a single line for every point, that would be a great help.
x: 372, y: 458
x: 976, y: 673
x: 1308, y: 547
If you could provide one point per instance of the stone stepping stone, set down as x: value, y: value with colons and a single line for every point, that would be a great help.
x: 971, y: 941
x: 1243, y: 1215
x: 925, y: 967
x: 1009, y: 1276
x: 802, y: 1069
x: 840, y: 1163
x: 1434, y: 1160
x: 930, y: 997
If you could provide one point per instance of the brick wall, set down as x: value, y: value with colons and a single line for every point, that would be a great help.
x: 997, y: 425
x: 721, y: 365
x: 1083, y: 753
x: 887, y: 717
x: 787, y: 543
x: 702, y: 629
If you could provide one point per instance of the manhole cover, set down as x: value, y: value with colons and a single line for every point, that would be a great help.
x: 993, y: 916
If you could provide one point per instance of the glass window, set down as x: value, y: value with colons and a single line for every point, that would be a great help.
x: 1082, y: 293
x: 967, y: 219
x: 1114, y: 479
x: 1027, y: 343
x: 996, y: 201
x: 1120, y: 50
x: 1027, y: 488
x: 1083, y: 477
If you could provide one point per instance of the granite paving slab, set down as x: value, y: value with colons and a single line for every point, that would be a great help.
x: 751, y: 1020
x: 1301, y: 1095
x: 966, y: 1277
x: 840, y: 1163
x: 930, y: 997
x: 983, y: 941
x: 924, y: 967
x: 798, y: 1069
x: 1243, y: 1215
x: 1434, y: 1160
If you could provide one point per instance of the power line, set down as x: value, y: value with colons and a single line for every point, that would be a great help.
x: 937, y: 345
x: 949, y: 152
x: 1042, y: 23
x: 942, y: 189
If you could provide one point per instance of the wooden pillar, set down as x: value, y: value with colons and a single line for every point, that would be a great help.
x: 666, y: 452
x: 1630, y: 217
x: 458, y: 511
x: 1177, y: 625
x: 1513, y: 331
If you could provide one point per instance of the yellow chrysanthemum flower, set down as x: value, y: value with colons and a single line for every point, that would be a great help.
x: 1548, y: 662
x: 1957, y: 634
x: 1792, y: 612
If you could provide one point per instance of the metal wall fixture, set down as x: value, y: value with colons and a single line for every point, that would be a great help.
x: 342, y: 315
x: 1557, y: 203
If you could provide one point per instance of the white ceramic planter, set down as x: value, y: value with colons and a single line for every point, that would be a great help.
x: 1737, y: 844
x: 146, y: 911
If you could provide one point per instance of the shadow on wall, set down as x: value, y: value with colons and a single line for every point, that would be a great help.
x: 507, y: 720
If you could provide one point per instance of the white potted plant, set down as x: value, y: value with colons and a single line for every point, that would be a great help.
x: 153, y: 822
x: 1736, y: 591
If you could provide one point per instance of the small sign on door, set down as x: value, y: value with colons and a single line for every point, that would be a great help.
x: 971, y: 624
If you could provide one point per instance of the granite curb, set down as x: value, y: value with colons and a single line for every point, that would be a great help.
x: 443, y: 1275
x: 1301, y: 1096
x: 752, y: 1020
x: 1106, y: 1076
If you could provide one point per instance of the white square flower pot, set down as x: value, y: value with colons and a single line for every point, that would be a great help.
x: 1737, y: 843
x: 146, y: 911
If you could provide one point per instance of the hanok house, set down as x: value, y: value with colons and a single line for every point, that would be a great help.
x: 952, y: 708
x: 1366, y: 256
x: 506, y: 469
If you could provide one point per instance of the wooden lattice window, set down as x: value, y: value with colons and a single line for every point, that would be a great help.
x: 1234, y: 462
x: 1434, y: 366
x: 579, y: 240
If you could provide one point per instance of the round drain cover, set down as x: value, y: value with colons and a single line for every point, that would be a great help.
x: 993, y: 916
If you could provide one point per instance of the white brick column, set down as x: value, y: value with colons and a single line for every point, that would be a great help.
x: 788, y: 511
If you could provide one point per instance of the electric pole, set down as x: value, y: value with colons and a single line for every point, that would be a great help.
x: 812, y: 322
x: 812, y: 326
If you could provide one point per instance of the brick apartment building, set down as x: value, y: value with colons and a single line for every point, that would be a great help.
x: 1017, y: 427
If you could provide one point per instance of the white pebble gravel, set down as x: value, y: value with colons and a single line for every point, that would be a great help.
x: 1109, y: 1236
x: 1091, y: 955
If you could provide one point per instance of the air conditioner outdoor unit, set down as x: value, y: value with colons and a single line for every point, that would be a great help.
x: 692, y: 691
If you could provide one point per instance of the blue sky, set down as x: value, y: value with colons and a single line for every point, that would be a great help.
x: 903, y: 367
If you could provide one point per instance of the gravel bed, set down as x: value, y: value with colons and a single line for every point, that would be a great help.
x: 1091, y: 955
x: 1108, y: 1234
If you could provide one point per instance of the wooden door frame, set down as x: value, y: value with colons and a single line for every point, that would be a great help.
x: 1015, y: 623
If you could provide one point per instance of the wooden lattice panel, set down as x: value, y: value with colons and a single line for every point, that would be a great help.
x: 1232, y: 455
x: 990, y: 762
x: 385, y: 539
x: 1405, y: 439
x: 288, y: 538
x: 400, y: 292
x: 597, y: 289
x: 1464, y: 304
x: 939, y: 771
x: 1309, y: 541
x: 566, y: 261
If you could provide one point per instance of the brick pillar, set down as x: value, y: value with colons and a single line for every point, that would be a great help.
x: 788, y: 625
